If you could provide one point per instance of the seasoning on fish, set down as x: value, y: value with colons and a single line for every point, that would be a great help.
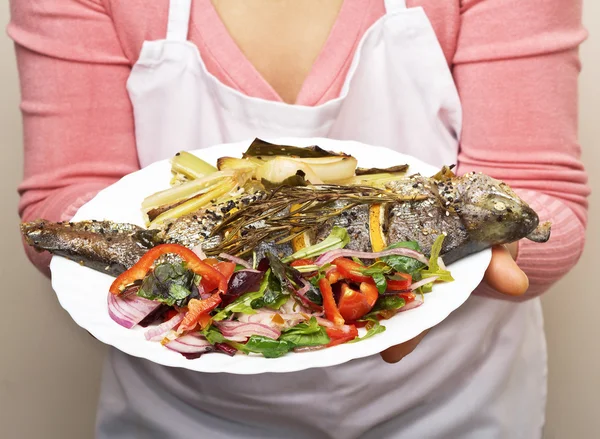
x: 473, y: 211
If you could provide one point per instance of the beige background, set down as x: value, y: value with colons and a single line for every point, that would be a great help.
x: 50, y: 369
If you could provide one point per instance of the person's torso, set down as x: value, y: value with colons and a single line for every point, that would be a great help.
x: 466, y: 374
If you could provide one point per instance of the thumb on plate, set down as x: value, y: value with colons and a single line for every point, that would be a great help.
x: 504, y: 275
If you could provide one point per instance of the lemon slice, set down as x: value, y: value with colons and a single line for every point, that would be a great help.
x: 376, y: 225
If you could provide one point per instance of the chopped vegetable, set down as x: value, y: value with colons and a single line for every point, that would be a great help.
x: 191, y: 166
x: 401, y: 263
x: 185, y: 191
x: 434, y: 266
x: 145, y: 264
x: 281, y: 168
x: 228, y: 163
x: 266, y: 346
x: 351, y: 270
x: 306, y: 334
x: 169, y: 283
x: 196, y: 309
x: 331, y: 310
x: 217, y: 191
x: 373, y: 327
x: 265, y: 150
x: 339, y: 335
x: 354, y: 304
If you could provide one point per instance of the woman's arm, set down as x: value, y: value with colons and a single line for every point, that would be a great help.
x: 516, y: 68
x: 77, y: 117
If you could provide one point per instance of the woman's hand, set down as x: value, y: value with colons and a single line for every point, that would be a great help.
x: 503, y: 274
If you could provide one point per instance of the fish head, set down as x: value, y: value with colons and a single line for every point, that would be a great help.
x: 489, y: 209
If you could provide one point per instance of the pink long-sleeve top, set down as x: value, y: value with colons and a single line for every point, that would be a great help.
x: 515, y: 64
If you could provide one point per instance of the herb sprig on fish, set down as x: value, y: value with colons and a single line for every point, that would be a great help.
x: 280, y: 223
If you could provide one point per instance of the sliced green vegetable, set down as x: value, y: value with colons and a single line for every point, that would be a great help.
x: 338, y: 238
x: 193, y: 204
x: 191, y: 166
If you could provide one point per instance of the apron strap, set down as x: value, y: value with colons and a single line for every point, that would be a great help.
x: 179, y: 20
x: 395, y: 5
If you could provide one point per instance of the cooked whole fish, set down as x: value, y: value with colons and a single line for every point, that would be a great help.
x: 474, y: 211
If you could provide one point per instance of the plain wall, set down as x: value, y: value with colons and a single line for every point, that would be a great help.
x: 50, y: 368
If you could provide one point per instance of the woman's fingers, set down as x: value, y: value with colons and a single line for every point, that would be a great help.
x: 504, y: 275
x: 398, y: 352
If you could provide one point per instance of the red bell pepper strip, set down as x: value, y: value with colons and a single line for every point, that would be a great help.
x: 331, y: 310
x: 197, y: 310
x: 400, y: 284
x: 351, y: 270
x: 146, y: 262
x: 225, y: 268
x: 341, y: 335
x: 301, y: 262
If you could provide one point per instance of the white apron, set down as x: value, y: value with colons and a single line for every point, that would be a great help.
x: 479, y: 374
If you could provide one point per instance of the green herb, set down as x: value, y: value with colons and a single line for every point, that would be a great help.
x: 264, y: 345
x: 373, y: 327
x: 385, y: 303
x: 434, y: 268
x: 378, y: 271
x: 404, y: 264
x: 273, y: 297
x: 338, y: 238
x: 306, y: 334
x: 171, y: 284
x: 303, y: 334
x: 380, y: 281
x: 213, y: 335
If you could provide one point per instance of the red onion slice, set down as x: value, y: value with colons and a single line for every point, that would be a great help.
x: 157, y: 333
x: 131, y: 311
x: 422, y: 282
x: 328, y: 257
x: 235, y: 259
x: 412, y: 305
x: 190, y: 344
x: 240, y: 329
